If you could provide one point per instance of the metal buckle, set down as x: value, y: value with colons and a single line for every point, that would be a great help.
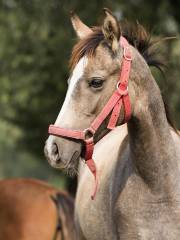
x: 127, y: 54
x: 122, y: 92
x: 88, y: 135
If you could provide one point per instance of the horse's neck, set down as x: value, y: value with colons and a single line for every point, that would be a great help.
x: 151, y: 144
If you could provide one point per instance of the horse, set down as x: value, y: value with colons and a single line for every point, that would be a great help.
x: 31, y: 210
x: 138, y: 161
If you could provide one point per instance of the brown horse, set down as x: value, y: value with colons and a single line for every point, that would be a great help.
x: 138, y: 163
x: 33, y: 210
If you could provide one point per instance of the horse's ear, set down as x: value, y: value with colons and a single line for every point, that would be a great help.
x: 80, y: 28
x: 111, y: 30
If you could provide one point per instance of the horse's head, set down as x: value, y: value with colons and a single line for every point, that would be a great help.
x: 95, y: 61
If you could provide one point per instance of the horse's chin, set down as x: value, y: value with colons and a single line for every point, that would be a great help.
x: 71, y: 171
x: 71, y: 168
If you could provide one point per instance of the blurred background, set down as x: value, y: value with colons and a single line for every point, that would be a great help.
x: 36, y: 39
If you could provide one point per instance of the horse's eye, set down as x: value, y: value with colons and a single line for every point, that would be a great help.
x: 96, y: 83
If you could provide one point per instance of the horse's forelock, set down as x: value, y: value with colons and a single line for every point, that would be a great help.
x: 86, y: 46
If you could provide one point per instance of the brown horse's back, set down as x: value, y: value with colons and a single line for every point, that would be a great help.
x: 27, y: 210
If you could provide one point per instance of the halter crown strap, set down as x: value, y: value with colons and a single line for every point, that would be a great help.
x: 120, y: 97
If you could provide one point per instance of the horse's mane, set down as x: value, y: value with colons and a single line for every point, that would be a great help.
x: 136, y: 35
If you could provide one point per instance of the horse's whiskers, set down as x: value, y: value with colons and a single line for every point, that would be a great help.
x: 72, y: 172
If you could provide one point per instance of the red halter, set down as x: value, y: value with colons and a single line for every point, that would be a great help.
x: 113, y: 106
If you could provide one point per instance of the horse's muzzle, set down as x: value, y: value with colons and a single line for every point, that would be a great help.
x: 62, y: 153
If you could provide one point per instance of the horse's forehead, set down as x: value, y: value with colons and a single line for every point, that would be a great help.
x: 79, y: 68
x: 103, y: 55
x: 102, y: 60
x: 78, y: 71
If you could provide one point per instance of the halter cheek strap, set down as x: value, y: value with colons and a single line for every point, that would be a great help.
x: 118, y: 99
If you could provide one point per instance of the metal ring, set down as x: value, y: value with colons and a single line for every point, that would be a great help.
x: 128, y: 58
x: 88, y: 134
x: 122, y: 92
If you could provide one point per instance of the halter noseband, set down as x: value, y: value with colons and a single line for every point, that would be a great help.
x: 120, y: 97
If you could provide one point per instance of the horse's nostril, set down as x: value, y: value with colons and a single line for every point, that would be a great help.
x: 55, y: 153
x: 55, y: 149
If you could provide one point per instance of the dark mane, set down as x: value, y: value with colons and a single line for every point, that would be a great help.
x: 136, y: 35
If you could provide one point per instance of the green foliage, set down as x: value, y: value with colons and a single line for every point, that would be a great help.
x: 35, y: 45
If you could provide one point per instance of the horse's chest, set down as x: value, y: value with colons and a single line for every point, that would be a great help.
x: 135, y: 214
x: 94, y: 217
x: 95, y: 222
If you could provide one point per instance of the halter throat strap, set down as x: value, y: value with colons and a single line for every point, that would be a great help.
x: 113, y: 107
